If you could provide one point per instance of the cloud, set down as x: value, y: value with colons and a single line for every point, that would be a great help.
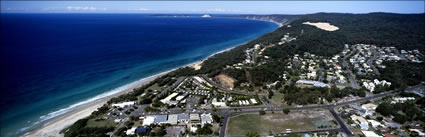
x: 86, y: 8
x: 217, y: 10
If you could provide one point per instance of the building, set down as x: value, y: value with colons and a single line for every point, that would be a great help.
x: 253, y: 101
x: 148, y: 120
x: 131, y: 131
x: 159, y: 119
x: 168, y: 98
x: 218, y: 104
x: 370, y: 134
x: 172, y: 119
x: 124, y: 104
x: 194, y: 118
x: 313, y: 83
x: 206, y: 118
x: 141, y: 130
x: 184, y: 117
x: 362, y: 123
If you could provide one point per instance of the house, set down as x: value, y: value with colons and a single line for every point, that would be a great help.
x: 253, y: 101
x: 124, y: 104
x: 184, y: 117
x: 370, y: 108
x: 375, y: 124
x: 206, y: 118
x: 359, y: 110
x: 194, y: 118
x: 362, y: 123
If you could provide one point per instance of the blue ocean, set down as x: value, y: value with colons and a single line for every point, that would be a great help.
x: 54, y: 63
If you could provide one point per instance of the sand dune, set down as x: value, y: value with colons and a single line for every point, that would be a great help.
x: 322, y: 25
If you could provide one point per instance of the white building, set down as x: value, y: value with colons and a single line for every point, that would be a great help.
x: 370, y: 134
x: 148, y: 120
x: 124, y: 104
x: 253, y: 101
x: 206, y: 118
x: 131, y: 131
x: 218, y: 104
x: 168, y: 98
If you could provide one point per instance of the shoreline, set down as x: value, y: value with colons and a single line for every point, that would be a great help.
x: 55, y: 125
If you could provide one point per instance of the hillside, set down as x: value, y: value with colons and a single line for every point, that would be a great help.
x: 403, y: 31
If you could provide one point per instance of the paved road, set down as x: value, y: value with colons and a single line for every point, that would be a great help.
x: 341, y: 123
x: 352, y: 77
x: 373, y: 58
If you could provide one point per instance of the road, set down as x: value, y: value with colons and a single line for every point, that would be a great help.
x: 352, y: 78
x: 370, y: 61
x: 341, y: 123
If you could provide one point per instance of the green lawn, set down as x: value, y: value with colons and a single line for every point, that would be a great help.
x: 100, y: 123
x: 239, y: 125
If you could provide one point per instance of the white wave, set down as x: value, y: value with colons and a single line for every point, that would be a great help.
x: 91, y: 100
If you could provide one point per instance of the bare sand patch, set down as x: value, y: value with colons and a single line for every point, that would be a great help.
x: 197, y: 65
x: 226, y: 81
x: 322, y: 25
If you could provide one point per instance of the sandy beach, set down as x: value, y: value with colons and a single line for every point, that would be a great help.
x: 53, y: 127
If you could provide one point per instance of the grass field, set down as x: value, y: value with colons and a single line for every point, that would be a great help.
x: 277, y: 99
x: 100, y: 123
x: 239, y: 125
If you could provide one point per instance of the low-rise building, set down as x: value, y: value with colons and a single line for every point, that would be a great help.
x: 124, y: 104
x: 206, y: 118
x: 194, y: 118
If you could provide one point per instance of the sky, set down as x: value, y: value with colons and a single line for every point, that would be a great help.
x: 217, y: 7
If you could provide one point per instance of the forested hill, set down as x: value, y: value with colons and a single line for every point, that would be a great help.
x: 404, y: 31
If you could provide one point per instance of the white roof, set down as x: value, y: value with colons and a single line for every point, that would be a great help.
x: 148, y: 120
x: 172, y: 119
x: 123, y: 104
x: 370, y: 134
x: 165, y: 100
x: 253, y: 101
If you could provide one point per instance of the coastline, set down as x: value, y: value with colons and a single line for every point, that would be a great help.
x: 53, y: 127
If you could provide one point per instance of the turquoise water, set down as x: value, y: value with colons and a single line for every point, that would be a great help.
x: 55, y: 63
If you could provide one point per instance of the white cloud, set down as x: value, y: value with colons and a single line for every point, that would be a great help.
x: 84, y: 8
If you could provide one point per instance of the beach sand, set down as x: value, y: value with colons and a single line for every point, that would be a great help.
x: 53, y: 127
x: 197, y: 65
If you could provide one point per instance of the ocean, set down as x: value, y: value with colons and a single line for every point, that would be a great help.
x: 54, y: 63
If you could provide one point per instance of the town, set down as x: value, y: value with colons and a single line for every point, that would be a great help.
x: 350, y: 93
